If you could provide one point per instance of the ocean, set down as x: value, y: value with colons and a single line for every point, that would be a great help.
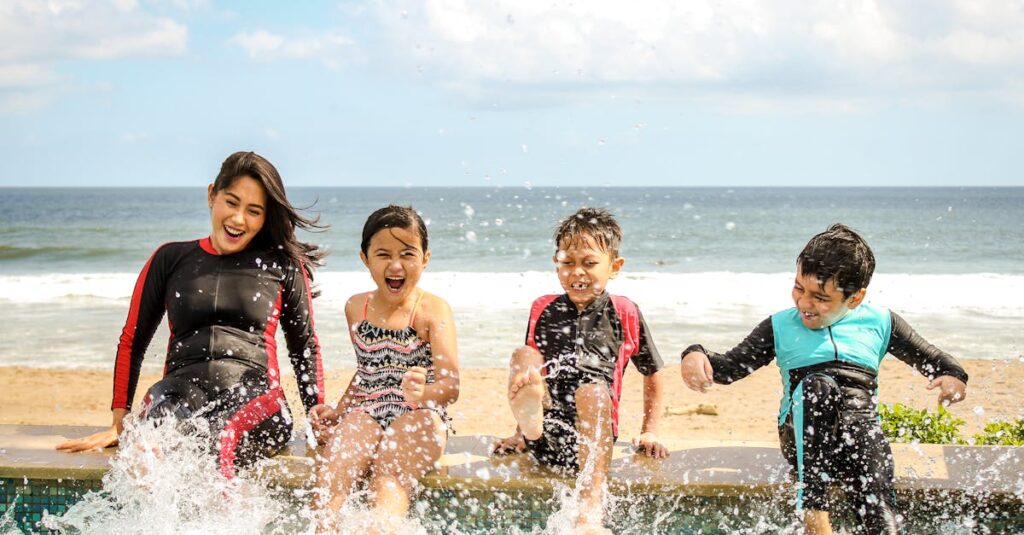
x: 704, y: 264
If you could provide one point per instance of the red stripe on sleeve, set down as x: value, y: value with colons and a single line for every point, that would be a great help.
x: 535, y: 311
x: 122, y: 364
x: 316, y: 341
x: 629, y: 318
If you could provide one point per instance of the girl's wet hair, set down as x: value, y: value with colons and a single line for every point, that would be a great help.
x: 282, y: 218
x: 597, y: 223
x: 838, y: 254
x: 393, y: 216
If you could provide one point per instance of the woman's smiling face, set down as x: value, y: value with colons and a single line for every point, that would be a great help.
x: 237, y: 214
x: 396, y: 260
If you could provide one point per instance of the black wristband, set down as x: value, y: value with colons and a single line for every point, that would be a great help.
x: 694, y: 347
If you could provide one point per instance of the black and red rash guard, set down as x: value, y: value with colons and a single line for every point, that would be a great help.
x: 589, y: 346
x: 223, y: 313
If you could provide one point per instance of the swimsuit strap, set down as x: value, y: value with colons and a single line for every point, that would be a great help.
x: 366, y: 304
x: 415, y: 307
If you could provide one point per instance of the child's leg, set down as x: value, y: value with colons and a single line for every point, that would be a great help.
x: 411, y: 446
x: 594, y: 422
x: 809, y: 443
x: 526, y: 391
x: 817, y: 523
x: 868, y: 478
x: 349, y: 452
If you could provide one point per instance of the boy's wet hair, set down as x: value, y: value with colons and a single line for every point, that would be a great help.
x: 597, y: 223
x: 838, y: 254
x: 393, y: 216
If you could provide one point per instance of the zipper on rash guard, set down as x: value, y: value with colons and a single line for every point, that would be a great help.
x: 834, y: 346
x: 216, y: 295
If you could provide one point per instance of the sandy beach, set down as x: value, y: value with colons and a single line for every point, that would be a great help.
x: 746, y: 410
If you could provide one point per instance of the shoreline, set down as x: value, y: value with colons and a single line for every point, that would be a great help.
x: 747, y: 409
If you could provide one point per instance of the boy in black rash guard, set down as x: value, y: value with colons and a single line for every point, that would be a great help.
x: 829, y: 348
x: 225, y: 297
x: 564, y: 386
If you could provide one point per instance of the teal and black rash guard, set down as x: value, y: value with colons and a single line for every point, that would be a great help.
x: 852, y: 349
x: 223, y: 312
x: 828, y: 421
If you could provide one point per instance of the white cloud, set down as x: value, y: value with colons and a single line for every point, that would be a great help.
x: 842, y: 50
x: 26, y: 75
x: 67, y: 29
x: 263, y: 46
x: 35, y: 35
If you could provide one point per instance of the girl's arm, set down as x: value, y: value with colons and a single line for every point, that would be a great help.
x: 441, y: 335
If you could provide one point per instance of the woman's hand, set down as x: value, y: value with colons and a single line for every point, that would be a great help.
x: 97, y: 441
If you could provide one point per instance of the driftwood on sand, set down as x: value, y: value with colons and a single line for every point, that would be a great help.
x: 709, y: 409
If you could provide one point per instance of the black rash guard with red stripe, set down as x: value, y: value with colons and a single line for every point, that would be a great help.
x: 584, y: 347
x: 223, y: 312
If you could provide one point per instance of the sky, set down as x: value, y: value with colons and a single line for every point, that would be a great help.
x: 524, y: 92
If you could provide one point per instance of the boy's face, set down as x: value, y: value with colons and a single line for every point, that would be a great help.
x: 821, y: 306
x: 584, y: 269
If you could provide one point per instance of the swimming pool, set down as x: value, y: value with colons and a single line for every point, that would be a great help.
x: 711, y: 487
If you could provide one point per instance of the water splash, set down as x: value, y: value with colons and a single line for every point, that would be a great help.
x: 164, y: 479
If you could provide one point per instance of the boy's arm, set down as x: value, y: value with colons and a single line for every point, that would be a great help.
x: 648, y: 361
x: 653, y: 406
x: 755, y: 351
x: 908, y: 346
x: 941, y: 369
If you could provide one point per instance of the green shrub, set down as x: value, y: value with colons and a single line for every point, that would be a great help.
x: 906, y: 424
x: 1002, y: 434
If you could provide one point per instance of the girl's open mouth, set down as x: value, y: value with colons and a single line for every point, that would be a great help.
x: 235, y: 234
x: 395, y: 283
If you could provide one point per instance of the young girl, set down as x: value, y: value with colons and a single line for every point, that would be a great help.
x: 390, y: 425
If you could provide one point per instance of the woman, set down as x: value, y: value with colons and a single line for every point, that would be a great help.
x: 225, y: 296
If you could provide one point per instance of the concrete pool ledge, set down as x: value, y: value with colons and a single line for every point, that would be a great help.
x: 695, y: 467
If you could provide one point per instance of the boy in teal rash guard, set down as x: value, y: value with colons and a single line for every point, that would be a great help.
x: 828, y: 349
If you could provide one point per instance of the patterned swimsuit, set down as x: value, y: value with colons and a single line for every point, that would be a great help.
x: 382, y: 358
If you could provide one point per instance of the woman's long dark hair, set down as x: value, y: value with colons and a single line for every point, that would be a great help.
x: 282, y: 218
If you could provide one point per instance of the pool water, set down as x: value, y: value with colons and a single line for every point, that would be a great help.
x: 25, y: 502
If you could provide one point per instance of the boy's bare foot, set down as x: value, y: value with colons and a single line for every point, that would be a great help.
x: 589, y: 522
x: 591, y: 529
x: 526, y: 396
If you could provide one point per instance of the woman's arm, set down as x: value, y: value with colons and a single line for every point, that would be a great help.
x: 144, y: 314
x: 300, y: 336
